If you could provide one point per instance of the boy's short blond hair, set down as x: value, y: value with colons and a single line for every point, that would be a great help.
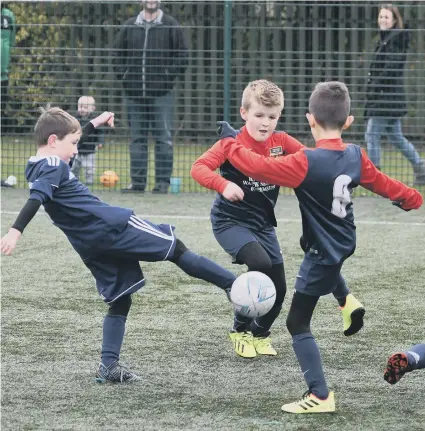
x: 264, y: 92
x: 54, y: 121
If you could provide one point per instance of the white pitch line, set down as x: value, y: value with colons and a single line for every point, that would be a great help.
x: 281, y: 220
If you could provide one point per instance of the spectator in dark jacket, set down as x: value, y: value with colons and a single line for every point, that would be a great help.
x: 385, y: 96
x: 87, y: 145
x: 150, y: 53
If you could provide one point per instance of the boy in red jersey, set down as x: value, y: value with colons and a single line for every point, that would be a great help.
x: 243, y: 218
x: 323, y: 179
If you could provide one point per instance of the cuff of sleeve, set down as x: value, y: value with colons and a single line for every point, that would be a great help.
x: 222, y: 186
x: 89, y: 128
x: 26, y: 215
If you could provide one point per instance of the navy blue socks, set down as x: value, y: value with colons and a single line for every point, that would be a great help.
x: 113, y: 335
x: 341, y: 291
x: 308, y: 355
x: 205, y: 269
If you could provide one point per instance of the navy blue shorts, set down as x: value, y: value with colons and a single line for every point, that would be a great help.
x: 316, y: 279
x: 116, y: 268
x: 233, y: 237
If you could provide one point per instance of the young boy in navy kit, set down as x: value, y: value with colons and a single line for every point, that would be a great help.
x: 243, y: 218
x: 323, y: 179
x: 110, y: 240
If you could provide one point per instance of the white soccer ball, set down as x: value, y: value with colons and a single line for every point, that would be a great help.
x: 253, y: 294
x: 11, y: 180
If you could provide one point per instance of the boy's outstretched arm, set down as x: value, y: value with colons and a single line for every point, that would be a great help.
x: 8, y: 242
x: 288, y: 171
x: 383, y: 185
x: 106, y: 118
x: 203, y: 172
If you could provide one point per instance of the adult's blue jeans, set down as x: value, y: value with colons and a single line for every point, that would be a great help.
x: 155, y: 115
x: 390, y: 127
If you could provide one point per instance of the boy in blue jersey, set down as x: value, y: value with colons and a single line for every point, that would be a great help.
x: 323, y: 179
x: 404, y: 362
x: 110, y: 240
x: 243, y: 218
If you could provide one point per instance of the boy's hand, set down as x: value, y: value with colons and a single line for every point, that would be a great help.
x: 8, y: 242
x: 105, y: 118
x: 398, y: 204
x: 413, y: 202
x: 225, y: 130
x: 233, y: 192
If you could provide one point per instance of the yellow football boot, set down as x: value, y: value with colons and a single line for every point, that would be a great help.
x: 309, y: 403
x: 243, y: 344
x: 352, y: 315
x: 263, y: 346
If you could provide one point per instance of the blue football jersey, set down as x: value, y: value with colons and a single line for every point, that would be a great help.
x: 83, y: 218
x: 323, y: 179
x: 325, y: 202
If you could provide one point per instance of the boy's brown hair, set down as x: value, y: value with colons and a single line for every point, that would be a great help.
x: 330, y: 104
x: 264, y: 92
x: 54, y: 121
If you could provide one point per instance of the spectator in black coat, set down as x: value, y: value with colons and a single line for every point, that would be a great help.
x: 385, y: 95
x: 150, y: 54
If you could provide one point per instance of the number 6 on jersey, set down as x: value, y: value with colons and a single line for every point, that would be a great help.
x: 342, y: 195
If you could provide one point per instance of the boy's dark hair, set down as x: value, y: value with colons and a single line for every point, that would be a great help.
x: 330, y: 104
x: 54, y: 121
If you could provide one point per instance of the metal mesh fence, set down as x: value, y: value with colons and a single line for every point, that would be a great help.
x: 65, y: 50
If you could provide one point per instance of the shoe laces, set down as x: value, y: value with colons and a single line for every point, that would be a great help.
x: 305, y: 395
x: 247, y: 337
x: 125, y: 372
x: 265, y: 341
x: 121, y: 371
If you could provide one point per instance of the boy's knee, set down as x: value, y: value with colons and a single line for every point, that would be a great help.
x: 179, y: 250
x: 263, y: 266
x: 297, y: 325
x: 120, y: 307
x: 254, y: 257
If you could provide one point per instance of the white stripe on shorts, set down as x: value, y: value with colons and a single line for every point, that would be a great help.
x: 140, y: 224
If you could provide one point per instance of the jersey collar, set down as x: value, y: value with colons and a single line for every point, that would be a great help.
x: 248, y: 139
x: 331, y: 144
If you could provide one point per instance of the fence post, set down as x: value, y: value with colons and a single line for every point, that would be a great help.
x: 227, y: 56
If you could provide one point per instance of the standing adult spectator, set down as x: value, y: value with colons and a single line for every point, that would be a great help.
x: 8, y: 34
x: 150, y: 53
x: 385, y: 95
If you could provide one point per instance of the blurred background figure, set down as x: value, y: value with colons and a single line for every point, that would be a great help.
x: 88, y: 144
x: 385, y: 95
x: 8, y: 35
x: 150, y: 53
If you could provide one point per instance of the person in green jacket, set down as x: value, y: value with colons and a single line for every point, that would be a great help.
x: 8, y: 33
